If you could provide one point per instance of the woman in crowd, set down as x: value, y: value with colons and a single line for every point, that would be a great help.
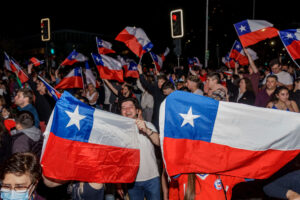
x: 19, y: 177
x: 92, y: 95
x: 280, y: 100
x: 245, y: 92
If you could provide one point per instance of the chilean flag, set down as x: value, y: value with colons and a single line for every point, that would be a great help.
x: 131, y: 69
x: 229, y: 62
x: 72, y: 80
x: 87, y: 144
x: 108, y: 67
x: 54, y: 93
x: 291, y: 41
x: 104, y: 47
x: 20, y: 73
x: 194, y: 61
x: 89, y: 76
x: 74, y: 57
x: 253, y: 31
x: 237, y: 53
x: 201, y: 135
x: 136, y: 40
x: 157, y: 61
x: 7, y: 63
x: 36, y: 62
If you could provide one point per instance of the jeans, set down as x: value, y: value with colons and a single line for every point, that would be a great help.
x: 149, y: 189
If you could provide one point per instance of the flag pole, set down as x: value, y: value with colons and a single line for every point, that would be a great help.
x: 153, y: 61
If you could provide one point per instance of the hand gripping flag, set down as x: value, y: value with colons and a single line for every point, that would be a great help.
x: 291, y: 41
x: 136, y: 40
x: 237, y: 53
x: 104, y: 47
x: 36, y: 62
x: 253, y: 31
x: 87, y: 144
x: 108, y: 67
x: 202, y: 135
x: 54, y: 93
x: 74, y: 57
x: 72, y: 80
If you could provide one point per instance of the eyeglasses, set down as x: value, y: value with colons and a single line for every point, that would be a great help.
x: 18, y: 189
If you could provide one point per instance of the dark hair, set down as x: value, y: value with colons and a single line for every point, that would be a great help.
x: 133, y: 100
x: 215, y: 75
x: 248, y: 84
x: 25, y: 119
x: 2, y: 100
x: 27, y: 93
x: 272, y: 76
x: 190, y: 190
x: 20, y: 164
x: 276, y: 92
x: 168, y: 84
x: 274, y: 62
x: 162, y: 77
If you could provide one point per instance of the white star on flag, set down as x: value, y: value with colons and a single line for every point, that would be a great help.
x: 188, y: 118
x: 237, y: 46
x: 73, y: 56
x: 289, y: 36
x: 75, y: 117
x: 242, y: 28
x: 98, y: 60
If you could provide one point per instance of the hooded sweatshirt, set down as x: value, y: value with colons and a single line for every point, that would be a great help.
x: 28, y: 140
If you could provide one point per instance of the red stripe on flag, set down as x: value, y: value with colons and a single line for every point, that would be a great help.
x: 294, y: 49
x: 103, y: 50
x: 70, y: 82
x: 63, y: 160
x: 257, y: 36
x: 131, y: 42
x: 106, y: 73
x: 190, y: 156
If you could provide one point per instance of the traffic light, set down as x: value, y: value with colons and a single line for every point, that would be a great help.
x: 52, y: 52
x: 177, y: 23
x: 45, y: 29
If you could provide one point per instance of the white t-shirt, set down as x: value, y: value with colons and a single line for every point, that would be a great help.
x: 283, y: 77
x: 148, y: 166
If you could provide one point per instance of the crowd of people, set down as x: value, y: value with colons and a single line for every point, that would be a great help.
x: 25, y: 113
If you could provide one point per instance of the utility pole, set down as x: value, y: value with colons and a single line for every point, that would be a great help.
x: 206, y: 54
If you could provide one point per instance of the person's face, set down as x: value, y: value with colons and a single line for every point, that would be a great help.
x: 211, y: 82
x: 125, y: 91
x: 40, y: 86
x: 160, y: 82
x: 283, y: 95
x: 275, y: 69
x: 190, y: 84
x: 167, y: 91
x: 90, y: 87
x: 5, y: 113
x: 18, y: 183
x: 271, y: 83
x: 129, y: 110
x: 20, y: 99
x: 242, y: 84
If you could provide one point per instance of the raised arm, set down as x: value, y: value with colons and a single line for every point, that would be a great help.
x: 251, y: 62
x: 111, y: 87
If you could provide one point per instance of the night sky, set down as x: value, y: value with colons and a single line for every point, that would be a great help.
x: 110, y: 17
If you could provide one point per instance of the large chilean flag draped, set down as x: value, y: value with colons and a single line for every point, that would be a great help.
x: 87, y: 144
x: 202, y: 135
x: 108, y: 67
x: 253, y: 31
x: 136, y: 40
x: 72, y: 80
x: 291, y: 41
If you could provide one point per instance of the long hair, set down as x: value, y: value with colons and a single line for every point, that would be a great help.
x: 191, y: 188
x: 274, y: 98
x: 248, y: 84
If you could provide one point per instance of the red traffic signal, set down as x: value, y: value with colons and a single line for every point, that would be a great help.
x: 177, y: 23
x: 45, y: 29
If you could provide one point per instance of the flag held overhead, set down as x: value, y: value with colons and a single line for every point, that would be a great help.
x: 202, y: 135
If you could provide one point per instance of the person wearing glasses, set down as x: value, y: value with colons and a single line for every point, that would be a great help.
x: 19, y: 177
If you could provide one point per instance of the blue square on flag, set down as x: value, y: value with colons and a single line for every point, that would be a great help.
x: 192, y: 118
x: 242, y: 27
x: 74, y: 120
